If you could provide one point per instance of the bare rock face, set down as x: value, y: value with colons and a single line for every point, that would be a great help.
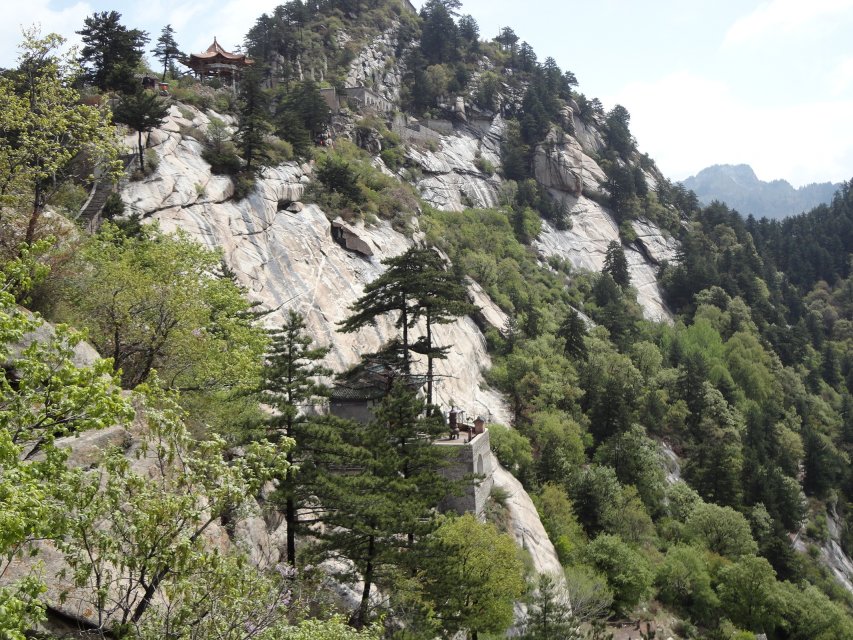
x: 377, y: 68
x: 291, y: 261
x: 526, y: 526
x: 657, y: 247
x: 451, y: 178
x: 561, y: 165
x: 585, y: 246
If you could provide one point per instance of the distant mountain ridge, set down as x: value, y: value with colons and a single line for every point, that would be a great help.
x: 737, y: 186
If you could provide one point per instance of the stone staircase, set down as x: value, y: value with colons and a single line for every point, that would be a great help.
x: 90, y: 213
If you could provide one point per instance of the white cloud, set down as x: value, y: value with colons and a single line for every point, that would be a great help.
x: 687, y: 122
x: 18, y: 15
x: 841, y: 77
x: 782, y: 17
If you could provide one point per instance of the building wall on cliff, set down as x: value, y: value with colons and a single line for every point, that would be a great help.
x: 467, y: 460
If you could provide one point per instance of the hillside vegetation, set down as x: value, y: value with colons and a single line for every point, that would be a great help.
x: 224, y: 504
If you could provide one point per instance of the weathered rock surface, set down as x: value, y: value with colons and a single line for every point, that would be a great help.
x: 451, y: 179
x: 377, y: 68
x: 561, y: 165
x: 652, y: 242
x: 290, y: 261
x: 526, y: 525
x: 585, y: 246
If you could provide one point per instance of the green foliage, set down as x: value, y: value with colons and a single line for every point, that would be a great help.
x: 749, y: 594
x: 333, y: 629
x: 253, y: 121
x: 393, y: 495
x: 627, y: 571
x: 511, y: 448
x: 153, y: 302
x: 683, y: 579
x: 43, y: 396
x: 45, y: 129
x: 557, y: 515
x: 132, y: 536
x: 290, y: 382
x: 473, y: 576
x: 111, y: 51
x: 301, y: 115
x: 721, y: 530
x: 349, y: 185
x: 142, y: 111
x: 549, y: 612
x: 167, y: 49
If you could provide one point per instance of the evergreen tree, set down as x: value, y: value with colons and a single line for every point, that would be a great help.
x: 290, y: 384
x: 382, y: 487
x: 111, y: 52
x: 616, y: 265
x: 549, y: 612
x: 253, y: 127
x: 416, y: 284
x: 142, y: 111
x: 573, y: 332
x: 167, y: 48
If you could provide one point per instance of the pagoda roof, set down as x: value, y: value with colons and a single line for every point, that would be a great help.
x: 215, y: 51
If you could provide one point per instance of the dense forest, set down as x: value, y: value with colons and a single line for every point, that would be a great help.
x: 221, y: 421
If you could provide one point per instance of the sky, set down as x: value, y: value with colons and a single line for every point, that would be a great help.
x: 766, y: 83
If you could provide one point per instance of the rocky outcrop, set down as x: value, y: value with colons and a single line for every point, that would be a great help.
x: 526, y: 526
x: 291, y: 261
x: 655, y: 246
x: 376, y: 67
x: 585, y: 245
x: 453, y: 175
x: 562, y: 167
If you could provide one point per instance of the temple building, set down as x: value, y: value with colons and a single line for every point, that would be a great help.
x: 218, y: 63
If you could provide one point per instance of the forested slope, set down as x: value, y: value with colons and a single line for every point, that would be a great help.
x: 617, y: 319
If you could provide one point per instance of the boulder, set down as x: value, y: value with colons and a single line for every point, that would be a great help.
x: 347, y: 237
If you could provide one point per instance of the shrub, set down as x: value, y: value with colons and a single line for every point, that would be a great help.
x: 244, y: 184
x: 484, y: 165
x: 626, y: 570
x: 512, y: 449
x: 113, y: 207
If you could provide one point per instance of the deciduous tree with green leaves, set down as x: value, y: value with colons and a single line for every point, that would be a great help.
x: 156, y: 302
x: 45, y: 130
x: 473, y: 576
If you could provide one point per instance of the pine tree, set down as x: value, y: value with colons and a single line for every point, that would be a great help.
x: 253, y: 111
x: 416, y: 284
x: 290, y: 384
x: 616, y: 265
x: 142, y: 111
x: 380, y: 488
x: 111, y: 51
x: 549, y: 613
x: 573, y: 331
x: 167, y: 48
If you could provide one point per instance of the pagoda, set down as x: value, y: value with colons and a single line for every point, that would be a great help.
x: 218, y: 63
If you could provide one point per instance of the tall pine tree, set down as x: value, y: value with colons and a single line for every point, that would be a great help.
x: 290, y: 385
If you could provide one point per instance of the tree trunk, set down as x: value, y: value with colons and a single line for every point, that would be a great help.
x: 429, y: 362
x: 361, y: 618
x: 141, y: 154
x: 35, y: 215
x: 405, y: 318
x: 290, y: 514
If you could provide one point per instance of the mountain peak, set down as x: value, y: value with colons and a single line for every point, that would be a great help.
x: 737, y: 186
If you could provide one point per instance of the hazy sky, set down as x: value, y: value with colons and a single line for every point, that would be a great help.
x: 706, y: 81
